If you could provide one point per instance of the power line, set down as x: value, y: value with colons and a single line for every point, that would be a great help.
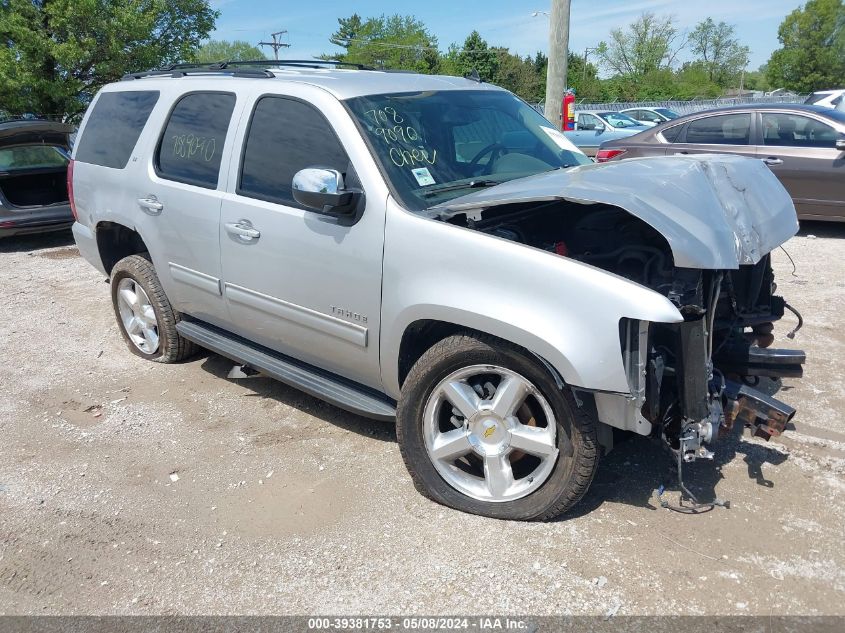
x: 277, y: 43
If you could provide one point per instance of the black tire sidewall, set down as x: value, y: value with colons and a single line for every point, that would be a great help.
x: 141, y: 271
x: 461, y: 351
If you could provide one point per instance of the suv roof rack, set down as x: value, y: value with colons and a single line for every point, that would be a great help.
x: 241, y: 68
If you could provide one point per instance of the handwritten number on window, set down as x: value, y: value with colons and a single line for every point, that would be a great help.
x: 191, y: 147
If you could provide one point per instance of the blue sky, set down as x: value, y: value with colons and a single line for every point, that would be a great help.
x: 501, y: 22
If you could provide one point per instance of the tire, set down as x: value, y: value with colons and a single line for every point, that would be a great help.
x: 136, y: 274
x: 422, y: 423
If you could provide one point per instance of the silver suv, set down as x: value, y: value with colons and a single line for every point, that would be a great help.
x: 431, y: 251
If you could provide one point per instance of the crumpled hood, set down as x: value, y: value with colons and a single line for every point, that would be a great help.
x: 717, y: 211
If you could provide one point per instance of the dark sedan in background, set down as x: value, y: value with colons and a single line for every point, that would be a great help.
x: 804, y: 145
x: 34, y: 158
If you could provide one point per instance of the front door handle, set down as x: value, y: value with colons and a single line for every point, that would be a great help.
x: 150, y: 205
x: 773, y: 160
x: 243, y: 230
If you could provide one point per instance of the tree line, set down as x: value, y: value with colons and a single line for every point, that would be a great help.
x: 55, y: 54
x: 638, y: 63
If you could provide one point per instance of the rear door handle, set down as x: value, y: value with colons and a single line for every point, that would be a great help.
x: 773, y: 160
x: 150, y: 205
x: 243, y: 230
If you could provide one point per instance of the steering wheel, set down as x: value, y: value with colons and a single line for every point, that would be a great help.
x: 495, y: 150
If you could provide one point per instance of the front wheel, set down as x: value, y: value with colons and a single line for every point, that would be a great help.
x: 484, y: 428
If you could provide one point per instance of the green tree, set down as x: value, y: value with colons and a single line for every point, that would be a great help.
x: 57, y: 53
x: 347, y: 32
x: 518, y: 75
x: 812, y: 53
x: 477, y: 55
x: 221, y: 50
x: 719, y: 51
x: 399, y: 42
x: 648, y: 45
x: 757, y: 79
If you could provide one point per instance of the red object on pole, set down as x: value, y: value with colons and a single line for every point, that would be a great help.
x: 569, y: 111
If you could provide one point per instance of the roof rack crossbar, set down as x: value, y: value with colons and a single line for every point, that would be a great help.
x: 241, y: 68
x: 310, y: 63
x: 184, y: 71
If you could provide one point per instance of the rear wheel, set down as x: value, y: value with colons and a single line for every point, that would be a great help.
x: 144, y: 314
x: 484, y: 428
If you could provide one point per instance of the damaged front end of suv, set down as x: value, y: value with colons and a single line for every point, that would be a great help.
x: 697, y: 230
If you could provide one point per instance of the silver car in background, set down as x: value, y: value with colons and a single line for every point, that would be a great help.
x: 651, y: 116
x: 594, y: 127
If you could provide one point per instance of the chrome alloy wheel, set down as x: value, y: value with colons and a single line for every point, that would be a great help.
x: 490, y: 433
x: 138, y: 316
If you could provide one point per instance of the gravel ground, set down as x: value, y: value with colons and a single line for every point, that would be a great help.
x: 129, y: 487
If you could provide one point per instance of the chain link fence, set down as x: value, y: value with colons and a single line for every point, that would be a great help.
x: 686, y: 106
x: 694, y: 105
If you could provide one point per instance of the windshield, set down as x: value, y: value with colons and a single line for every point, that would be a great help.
x: 439, y: 145
x: 617, y: 119
x: 669, y: 114
x: 32, y: 157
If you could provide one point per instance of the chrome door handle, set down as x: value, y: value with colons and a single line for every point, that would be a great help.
x: 773, y: 160
x: 151, y: 205
x: 243, y: 230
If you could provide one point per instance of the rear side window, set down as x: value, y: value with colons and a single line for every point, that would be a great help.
x: 671, y: 133
x: 284, y: 137
x: 726, y: 129
x: 192, y: 144
x: 114, y: 126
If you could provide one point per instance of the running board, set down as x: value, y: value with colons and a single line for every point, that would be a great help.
x: 320, y: 384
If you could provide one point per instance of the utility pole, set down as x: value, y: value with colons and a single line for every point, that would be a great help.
x: 558, y: 57
x: 276, y: 44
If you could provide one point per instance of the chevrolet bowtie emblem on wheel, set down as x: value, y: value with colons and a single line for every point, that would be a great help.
x: 490, y: 430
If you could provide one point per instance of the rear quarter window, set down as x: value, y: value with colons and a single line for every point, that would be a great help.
x: 670, y: 134
x: 191, y: 146
x: 114, y: 126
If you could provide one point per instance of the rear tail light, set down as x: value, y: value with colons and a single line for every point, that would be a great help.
x: 70, y: 190
x: 605, y: 155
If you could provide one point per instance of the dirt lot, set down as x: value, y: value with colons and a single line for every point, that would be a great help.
x: 129, y: 487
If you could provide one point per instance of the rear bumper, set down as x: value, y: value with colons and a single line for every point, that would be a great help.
x: 86, y: 241
x: 40, y: 220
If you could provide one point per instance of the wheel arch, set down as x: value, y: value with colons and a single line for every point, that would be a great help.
x: 421, y: 334
x: 116, y: 241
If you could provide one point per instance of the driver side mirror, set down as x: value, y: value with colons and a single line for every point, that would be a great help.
x: 323, y: 190
x: 840, y: 144
x: 599, y: 127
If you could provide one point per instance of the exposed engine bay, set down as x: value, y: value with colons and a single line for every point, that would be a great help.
x: 690, y: 381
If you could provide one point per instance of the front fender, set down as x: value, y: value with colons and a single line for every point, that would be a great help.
x: 562, y: 310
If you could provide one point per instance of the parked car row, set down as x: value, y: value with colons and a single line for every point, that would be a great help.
x: 804, y: 145
x: 799, y: 144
